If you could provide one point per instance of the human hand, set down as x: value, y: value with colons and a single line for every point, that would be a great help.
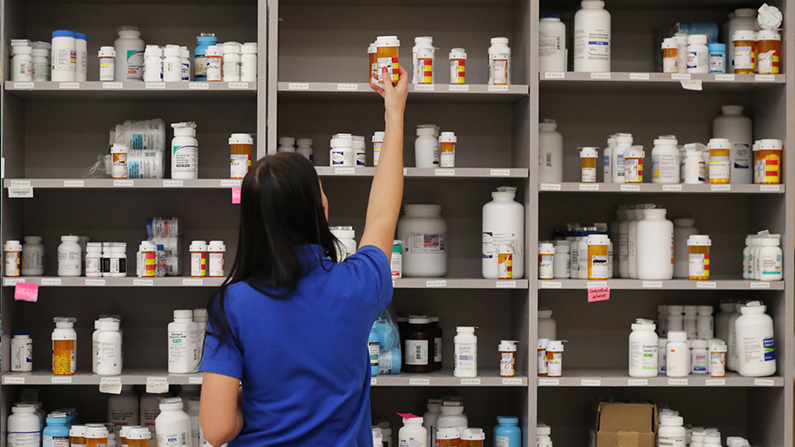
x: 394, y: 96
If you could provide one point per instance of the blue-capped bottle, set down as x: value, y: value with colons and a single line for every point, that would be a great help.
x: 199, y: 57
x: 507, y: 433
x: 56, y: 433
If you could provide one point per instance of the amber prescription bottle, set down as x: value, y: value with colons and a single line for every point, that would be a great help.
x: 598, y: 258
x: 372, y: 52
x: 64, y: 346
x: 448, y: 437
x: 767, y: 162
x: 507, y: 358
x: 670, y: 55
x: 240, y: 145
x: 458, y: 66
x: 388, y: 48
x: 138, y: 437
x: 96, y: 436
x: 77, y: 435
x: 447, y: 141
x: 633, y: 164
x: 719, y: 161
x: 472, y: 437
x: 418, y: 353
x: 588, y: 157
x: 744, y: 52
x: 698, y: 258
x: 768, y: 57
x: 542, y: 357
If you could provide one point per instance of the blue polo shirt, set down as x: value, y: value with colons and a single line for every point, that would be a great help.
x: 304, y: 362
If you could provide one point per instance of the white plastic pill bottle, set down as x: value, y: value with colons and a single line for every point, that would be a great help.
x: 424, y: 233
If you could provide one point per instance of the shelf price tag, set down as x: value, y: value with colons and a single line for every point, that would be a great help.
x: 192, y: 282
x: 550, y: 187
x: 506, y: 284
x: 51, y: 281
x: 677, y: 382
x: 600, y: 75
x: 196, y: 380
x: 344, y: 171
x: 680, y: 77
x: 638, y: 76
x: 348, y: 87
x: 548, y: 382
x: 113, y: 85
x: 652, y: 284
x: 500, y: 172
x: 231, y: 183
x: 444, y: 172
x: 512, y: 381
x: 498, y: 88
x: 14, y: 380
x: 765, y: 78
x: 715, y: 382
x: 555, y: 75
x: 143, y: 282
x: 637, y: 382
x: 199, y: 86
x: 11, y: 282
x: 760, y: 285
x: 458, y: 88
x: 589, y: 187
x: 172, y: 183
x: 706, y: 285
x: 470, y: 381
x: 20, y: 192
x: 724, y: 77
x: 672, y: 187
x: 60, y: 380
x: 298, y: 86
x: 155, y: 85
x: 237, y: 85
x: 157, y: 385
x: 124, y: 183
x: 432, y: 284
x: 764, y: 382
x: 770, y: 188
x: 551, y: 284
x: 726, y: 187
x: 110, y: 385
x: 69, y: 85
x: 597, y: 284
x: 423, y: 382
x: 74, y: 183
x: 633, y: 188
x: 424, y: 88
x: 590, y: 382
x: 95, y: 282
x: 23, y: 86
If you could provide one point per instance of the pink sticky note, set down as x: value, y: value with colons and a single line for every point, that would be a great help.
x: 26, y: 291
x: 598, y: 294
x: 236, y: 195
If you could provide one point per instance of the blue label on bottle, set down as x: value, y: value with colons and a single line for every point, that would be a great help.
x: 770, y: 349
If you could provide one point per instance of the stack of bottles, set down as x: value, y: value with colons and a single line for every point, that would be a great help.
x: 76, y: 257
x: 186, y: 340
x: 288, y: 144
x: 159, y: 254
x: 578, y: 253
x: 445, y: 424
x: 143, y: 143
x: 762, y: 257
x: 30, y: 61
x: 384, y: 344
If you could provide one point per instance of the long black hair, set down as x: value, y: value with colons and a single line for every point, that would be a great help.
x: 281, y: 208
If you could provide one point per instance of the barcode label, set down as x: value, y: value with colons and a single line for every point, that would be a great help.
x: 706, y: 285
x: 715, y: 382
x: 551, y: 284
x: 20, y: 182
x: 199, y: 86
x: 470, y: 381
x: 95, y: 282
x: 672, y: 187
x: 20, y: 192
x: 637, y: 382
x: 373, y: 381
x: 424, y: 88
x: 59, y: 380
x: 156, y: 85
x: 419, y: 381
x: 348, y: 87
x: 548, y: 382
x: 156, y: 385
x: 112, y: 85
x: 506, y: 284
x: 51, y: 281
x: 436, y: 284
x: 639, y: 76
x: 192, y: 282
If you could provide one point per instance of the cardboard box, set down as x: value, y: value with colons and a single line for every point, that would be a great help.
x: 624, y: 425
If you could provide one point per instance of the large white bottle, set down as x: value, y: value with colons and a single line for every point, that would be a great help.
x: 129, y: 55
x: 739, y: 130
x: 744, y: 19
x: 592, y: 37
x: 503, y: 223
x: 632, y: 242
x: 655, y: 246
x: 756, y: 347
x: 623, y: 142
x: 722, y: 321
x: 173, y: 423
x: 123, y: 409
x: 184, y: 152
x: 183, y: 349
x: 550, y: 153
x: 683, y: 229
x: 551, y: 43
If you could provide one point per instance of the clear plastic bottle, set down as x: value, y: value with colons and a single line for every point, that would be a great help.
x: 550, y: 153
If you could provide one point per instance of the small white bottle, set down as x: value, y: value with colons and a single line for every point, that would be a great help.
x: 107, y: 64
x: 691, y: 321
x: 665, y: 160
x: 499, y: 61
x: 341, y: 153
x: 561, y: 262
x: 697, y: 54
x: 172, y: 64
x: 671, y: 431
x: 466, y: 352
x: 41, y: 64
x: 216, y: 252
x: 705, y: 327
x: 153, y: 64
x: 184, y: 152
x: 413, y: 434
x: 64, y: 57
x: 378, y: 143
x: 695, y: 168
x: 231, y: 68
x: 248, y: 62
x: 699, y: 356
x: 214, y: 54
x: 550, y: 153
x: 769, y: 259
x: 109, y: 344
x: 21, y: 351
x: 623, y: 142
x: 286, y: 144
x: 756, y: 346
x: 33, y: 256
x: 643, y: 349
x: 555, y: 361
x: 69, y: 257
x: 677, y: 361
x: 183, y: 352
x: 546, y: 267
x: 184, y: 58
x: 118, y: 261
x: 592, y: 38
x: 81, y: 54
x: 173, y: 423
x: 662, y: 354
x: 551, y: 43
x: 426, y: 147
x: 305, y: 148
x: 22, y: 64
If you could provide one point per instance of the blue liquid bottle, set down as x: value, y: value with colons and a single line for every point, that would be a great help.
x: 56, y: 433
x: 507, y: 433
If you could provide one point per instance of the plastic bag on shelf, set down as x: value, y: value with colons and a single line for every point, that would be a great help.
x: 146, y: 141
x: 390, y: 356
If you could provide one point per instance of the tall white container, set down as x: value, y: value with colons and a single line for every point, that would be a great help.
x: 23, y: 427
x: 466, y: 352
x: 426, y: 147
x: 756, y: 347
x: 632, y: 242
x: 744, y: 19
x: 665, y: 161
x: 424, y: 233
x: 592, y: 37
x: 722, y: 321
x: 623, y: 142
x: 551, y: 43
x: 503, y: 223
x: 150, y: 410
x: 738, y: 129
x: 412, y: 433
x: 683, y: 229
x: 655, y: 246
x: 183, y: 349
x: 109, y: 348
x: 677, y: 362
x: 184, y: 151
x: 173, y: 423
x: 550, y: 153
x: 129, y: 55
x: 643, y: 349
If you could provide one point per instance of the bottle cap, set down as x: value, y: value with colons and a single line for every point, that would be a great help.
x: 555, y: 346
x: 699, y: 240
x: 465, y: 329
x: 63, y: 33
x: 473, y: 434
x: 677, y: 336
x: 448, y: 433
x: 589, y: 152
x: 387, y: 41
x: 183, y: 313
x: 508, y: 346
x: 419, y: 320
x: 669, y: 44
x: 241, y: 138
x: 696, y: 39
x: 216, y: 246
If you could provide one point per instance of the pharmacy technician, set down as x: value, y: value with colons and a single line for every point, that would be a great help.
x: 285, y: 360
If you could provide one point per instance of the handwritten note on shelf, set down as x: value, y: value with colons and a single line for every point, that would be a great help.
x: 596, y: 294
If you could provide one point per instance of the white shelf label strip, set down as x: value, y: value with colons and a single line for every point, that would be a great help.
x: 548, y: 382
x: 61, y: 380
x: 512, y: 381
x: 551, y: 284
x: 715, y: 382
x: 423, y: 382
x: 470, y: 381
x: 590, y: 382
x: 637, y: 382
x: 506, y: 284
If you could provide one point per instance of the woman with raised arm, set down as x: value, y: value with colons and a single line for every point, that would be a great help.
x: 285, y: 360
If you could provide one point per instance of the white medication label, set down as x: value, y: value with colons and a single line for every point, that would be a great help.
x: 590, y: 382
x: 597, y: 284
x: 500, y: 172
x: 431, y: 284
x: 724, y: 187
x: 155, y: 85
x: 124, y: 183
x: 20, y: 192
x: 172, y: 183
x: 423, y: 382
x: 677, y: 382
x: 344, y: 171
x: 231, y: 183
x: 73, y: 184
x: 638, y: 76
x: 633, y: 188
x: 192, y: 282
x: 470, y: 381
x: 637, y: 382
x: 444, y: 172
x: 548, y: 382
x: 765, y: 78
x: 680, y: 77
x: 95, y: 282
x: 156, y: 385
x: 196, y: 380
x: 61, y: 380
x: 143, y: 282
x: 298, y: 86
x: 551, y: 284
x: 600, y: 75
x: 589, y: 187
x: 51, y: 281
x: 113, y: 85
x: 724, y: 77
x: 770, y: 188
x: 14, y: 380
x: 715, y: 382
x: 550, y: 187
x: 760, y: 285
x: 20, y: 182
x: 764, y: 382
x: 199, y: 86
x: 706, y: 285
x: 512, y: 381
x: 506, y: 284
x: 11, y: 282
x: 23, y: 86
x: 652, y: 284
x: 373, y: 381
x: 424, y: 88
x: 458, y: 88
x: 69, y: 85
x: 110, y: 385
x: 555, y: 75
x: 348, y: 87
x: 672, y: 187
x: 498, y: 88
x: 237, y: 85
x: 694, y: 85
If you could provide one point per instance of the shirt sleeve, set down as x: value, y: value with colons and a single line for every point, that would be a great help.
x: 372, y: 265
x: 221, y: 353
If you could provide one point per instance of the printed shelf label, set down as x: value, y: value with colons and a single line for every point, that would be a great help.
x: 231, y: 183
x: 143, y: 282
x: 436, y: 283
x: 548, y: 382
x: 715, y: 382
x: 110, y: 385
x: 765, y: 78
x: 706, y: 285
x: 590, y: 382
x: 506, y: 284
x: 419, y: 382
x: 51, y: 281
x: 589, y: 187
x: 10, y: 282
x: 638, y: 76
x: 721, y: 187
x: 298, y: 86
x: 124, y: 183
x: 458, y: 88
x: 344, y: 171
x: 155, y: 85
x: 95, y: 282
x: 196, y: 380
x: 652, y: 284
x: 470, y: 381
x: 764, y: 382
x: 348, y: 87
x: 550, y: 187
x: 20, y: 192
x: 423, y: 87
x: 112, y: 85
x: 74, y: 183
x: 445, y: 172
x: 634, y: 188
x: 192, y: 282
x: 555, y: 75
x: 770, y: 188
x: 237, y: 85
x: 680, y: 77
x: 172, y: 183
x: 672, y: 187
x: 14, y: 380
x: 637, y: 382
x: 724, y: 77
x: 600, y: 75
x: 69, y: 85
x: 512, y: 381
x: 157, y: 385
x: 760, y: 285
x: 23, y: 85
x: 498, y: 88
x: 677, y: 382
x: 20, y: 182
x: 597, y: 284
x: 61, y: 380
x: 551, y: 284
x: 199, y: 86
x: 500, y: 172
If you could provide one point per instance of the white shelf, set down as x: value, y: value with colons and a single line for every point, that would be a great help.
x: 674, y: 284
x: 603, y: 377
x: 636, y: 188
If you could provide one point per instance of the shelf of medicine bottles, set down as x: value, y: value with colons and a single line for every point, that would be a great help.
x: 121, y: 184
x: 456, y: 283
x: 661, y: 188
x: 674, y: 284
x: 129, y: 281
x: 361, y: 92
x: 97, y: 91
x: 565, y: 81
x: 617, y: 377
x: 486, y: 378
x: 463, y: 173
x: 129, y: 376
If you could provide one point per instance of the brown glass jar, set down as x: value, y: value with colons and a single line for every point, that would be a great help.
x: 418, y: 346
